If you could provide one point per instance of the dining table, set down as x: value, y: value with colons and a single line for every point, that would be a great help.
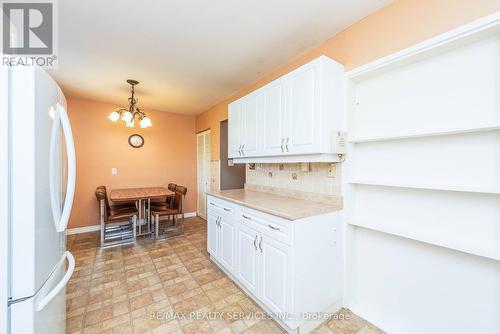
x: 142, y: 196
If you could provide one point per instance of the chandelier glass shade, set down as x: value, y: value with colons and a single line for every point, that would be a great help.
x: 132, y: 113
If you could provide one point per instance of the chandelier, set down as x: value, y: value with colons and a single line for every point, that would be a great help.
x: 129, y: 115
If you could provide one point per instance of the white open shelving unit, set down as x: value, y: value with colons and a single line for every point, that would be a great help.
x: 423, y: 184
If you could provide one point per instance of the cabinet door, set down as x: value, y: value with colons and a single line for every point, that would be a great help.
x: 303, y: 124
x: 234, y: 129
x: 227, y: 242
x: 250, y: 120
x: 247, y: 271
x: 212, y: 235
x: 275, y: 274
x: 273, y: 117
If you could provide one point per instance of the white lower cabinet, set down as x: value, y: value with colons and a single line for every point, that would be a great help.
x: 290, y: 268
x: 221, y: 239
x: 213, y: 234
x: 248, y: 260
x: 227, y: 237
x: 275, y: 274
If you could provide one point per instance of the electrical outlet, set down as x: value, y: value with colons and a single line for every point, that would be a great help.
x: 114, y: 171
x: 332, y: 171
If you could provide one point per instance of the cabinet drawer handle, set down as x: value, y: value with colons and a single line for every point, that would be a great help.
x: 246, y: 217
x: 273, y: 228
x: 212, y: 203
x: 260, y: 244
x: 226, y: 209
x: 255, y: 242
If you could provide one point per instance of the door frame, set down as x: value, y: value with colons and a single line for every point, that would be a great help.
x: 199, y: 134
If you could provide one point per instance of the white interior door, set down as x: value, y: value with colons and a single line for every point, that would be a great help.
x: 203, y: 171
x: 423, y: 191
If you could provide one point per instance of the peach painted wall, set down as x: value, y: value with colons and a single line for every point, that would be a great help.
x: 392, y: 28
x: 168, y: 155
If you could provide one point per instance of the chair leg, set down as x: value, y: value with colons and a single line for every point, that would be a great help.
x: 134, y: 225
x: 157, y: 225
x: 101, y: 220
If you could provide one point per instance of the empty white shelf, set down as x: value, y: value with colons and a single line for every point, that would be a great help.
x: 467, y: 189
x: 421, y: 134
x: 446, y: 244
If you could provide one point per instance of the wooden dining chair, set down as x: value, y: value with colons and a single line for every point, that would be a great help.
x: 183, y: 191
x: 118, y: 222
x: 169, y: 211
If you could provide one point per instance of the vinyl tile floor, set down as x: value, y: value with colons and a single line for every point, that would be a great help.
x: 167, y: 286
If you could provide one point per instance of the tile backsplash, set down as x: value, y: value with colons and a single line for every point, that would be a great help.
x: 289, y: 176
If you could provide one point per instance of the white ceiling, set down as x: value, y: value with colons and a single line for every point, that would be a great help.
x: 188, y: 54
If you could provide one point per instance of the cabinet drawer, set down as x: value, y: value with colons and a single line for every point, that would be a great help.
x: 221, y: 207
x: 268, y: 225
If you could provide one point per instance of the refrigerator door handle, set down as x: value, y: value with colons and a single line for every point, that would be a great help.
x: 61, y: 219
x: 62, y: 283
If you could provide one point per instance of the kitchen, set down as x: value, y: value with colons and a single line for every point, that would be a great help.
x: 347, y: 184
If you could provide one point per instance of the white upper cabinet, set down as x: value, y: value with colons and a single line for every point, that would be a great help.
x: 304, y: 128
x: 243, y: 136
x: 235, y: 137
x: 250, y: 117
x: 293, y: 118
x: 273, y: 118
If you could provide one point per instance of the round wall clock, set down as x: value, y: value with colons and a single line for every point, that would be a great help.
x: 136, y: 140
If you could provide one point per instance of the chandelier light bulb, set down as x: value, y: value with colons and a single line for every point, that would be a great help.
x: 114, y: 116
x: 145, y: 122
x: 127, y: 116
x: 130, y: 124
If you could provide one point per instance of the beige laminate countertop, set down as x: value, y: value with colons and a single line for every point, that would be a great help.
x: 282, y: 206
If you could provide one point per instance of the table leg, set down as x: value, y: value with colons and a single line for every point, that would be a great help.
x: 139, y: 209
x: 149, y: 215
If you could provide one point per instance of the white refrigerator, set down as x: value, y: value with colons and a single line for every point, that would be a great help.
x: 37, y: 183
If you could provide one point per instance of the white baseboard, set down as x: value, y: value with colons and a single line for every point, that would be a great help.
x: 93, y: 228
x: 189, y: 214
x: 84, y: 229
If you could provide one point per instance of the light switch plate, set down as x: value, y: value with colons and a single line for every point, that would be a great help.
x: 114, y: 171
